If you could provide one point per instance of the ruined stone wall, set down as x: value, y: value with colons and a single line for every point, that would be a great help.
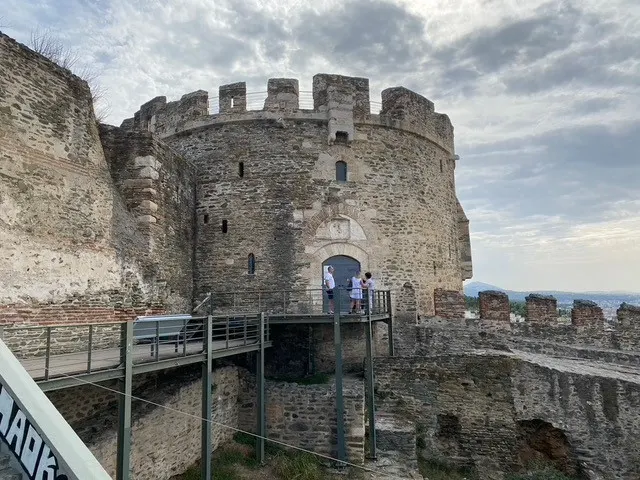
x: 494, y: 306
x: 158, y: 187
x: 542, y: 309
x: 449, y: 303
x: 479, y: 408
x: 305, y: 415
x: 271, y: 176
x: 65, y: 249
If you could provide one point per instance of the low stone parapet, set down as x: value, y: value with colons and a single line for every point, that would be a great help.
x: 586, y: 313
x: 542, y: 309
x: 494, y: 306
x: 448, y: 303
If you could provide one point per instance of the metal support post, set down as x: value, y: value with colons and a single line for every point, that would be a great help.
x: 390, y: 325
x: 260, y: 394
x: 124, y: 404
x: 371, y: 402
x: 207, y: 384
x: 337, y: 340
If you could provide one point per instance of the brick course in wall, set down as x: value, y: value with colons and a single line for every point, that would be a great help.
x: 494, y: 306
x: 449, y: 303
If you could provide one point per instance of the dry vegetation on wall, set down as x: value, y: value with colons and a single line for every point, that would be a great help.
x: 47, y: 44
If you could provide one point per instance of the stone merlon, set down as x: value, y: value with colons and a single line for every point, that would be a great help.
x: 343, y: 101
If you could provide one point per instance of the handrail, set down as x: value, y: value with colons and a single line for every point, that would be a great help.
x: 206, y: 299
x: 57, y: 449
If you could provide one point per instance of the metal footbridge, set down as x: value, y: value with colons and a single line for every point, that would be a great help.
x: 63, y: 356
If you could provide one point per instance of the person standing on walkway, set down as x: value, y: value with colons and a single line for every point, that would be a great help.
x: 369, y: 286
x: 356, y: 293
x: 330, y: 284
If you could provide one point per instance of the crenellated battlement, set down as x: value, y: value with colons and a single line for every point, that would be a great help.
x: 588, y: 327
x: 343, y: 102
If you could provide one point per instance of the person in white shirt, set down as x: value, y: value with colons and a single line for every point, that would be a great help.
x: 356, y: 293
x: 369, y: 286
x: 330, y: 284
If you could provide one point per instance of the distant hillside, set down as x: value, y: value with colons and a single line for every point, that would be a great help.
x: 564, y: 298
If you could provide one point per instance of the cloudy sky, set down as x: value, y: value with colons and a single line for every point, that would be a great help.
x: 544, y: 97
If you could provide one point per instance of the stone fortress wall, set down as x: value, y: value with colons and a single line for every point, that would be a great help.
x: 496, y: 394
x: 75, y: 246
x: 267, y: 186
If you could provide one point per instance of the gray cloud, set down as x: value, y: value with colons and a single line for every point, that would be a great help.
x: 544, y: 101
x: 370, y: 35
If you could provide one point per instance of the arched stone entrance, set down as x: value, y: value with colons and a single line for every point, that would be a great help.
x: 345, y: 267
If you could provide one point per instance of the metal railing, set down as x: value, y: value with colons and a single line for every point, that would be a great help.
x: 302, y: 302
x: 51, y: 351
x: 255, y: 102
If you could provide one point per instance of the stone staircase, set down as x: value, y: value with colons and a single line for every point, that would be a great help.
x: 6, y: 472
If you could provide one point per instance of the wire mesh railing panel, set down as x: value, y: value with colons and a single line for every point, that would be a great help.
x: 301, y: 302
x: 255, y: 101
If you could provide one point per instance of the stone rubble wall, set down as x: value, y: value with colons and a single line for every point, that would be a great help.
x: 164, y: 442
x: 471, y: 406
x: 305, y: 416
x: 158, y: 187
x: 617, y: 346
x: 70, y: 252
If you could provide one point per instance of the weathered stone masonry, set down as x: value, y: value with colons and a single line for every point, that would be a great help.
x: 71, y: 250
x: 480, y: 409
x: 270, y: 175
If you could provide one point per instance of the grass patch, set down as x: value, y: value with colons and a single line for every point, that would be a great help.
x: 434, y: 469
x: 270, y: 448
x: 224, y: 464
x: 298, y: 466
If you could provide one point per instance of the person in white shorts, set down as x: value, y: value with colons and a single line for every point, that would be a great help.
x: 356, y: 293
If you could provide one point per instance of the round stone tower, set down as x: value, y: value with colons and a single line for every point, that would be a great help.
x: 284, y: 191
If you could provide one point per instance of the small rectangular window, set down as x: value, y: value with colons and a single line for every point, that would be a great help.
x: 342, y: 137
x: 241, y: 169
x: 341, y: 171
x: 205, y: 218
x: 224, y: 226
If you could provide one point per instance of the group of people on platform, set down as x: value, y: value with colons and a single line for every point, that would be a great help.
x: 360, y: 290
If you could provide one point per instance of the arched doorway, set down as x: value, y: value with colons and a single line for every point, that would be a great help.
x: 344, y: 268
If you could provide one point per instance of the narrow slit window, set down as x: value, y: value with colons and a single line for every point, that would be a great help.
x: 441, y: 167
x: 205, y: 218
x: 241, y: 169
x: 224, y: 226
x: 251, y: 264
x: 233, y: 102
x: 341, y: 171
